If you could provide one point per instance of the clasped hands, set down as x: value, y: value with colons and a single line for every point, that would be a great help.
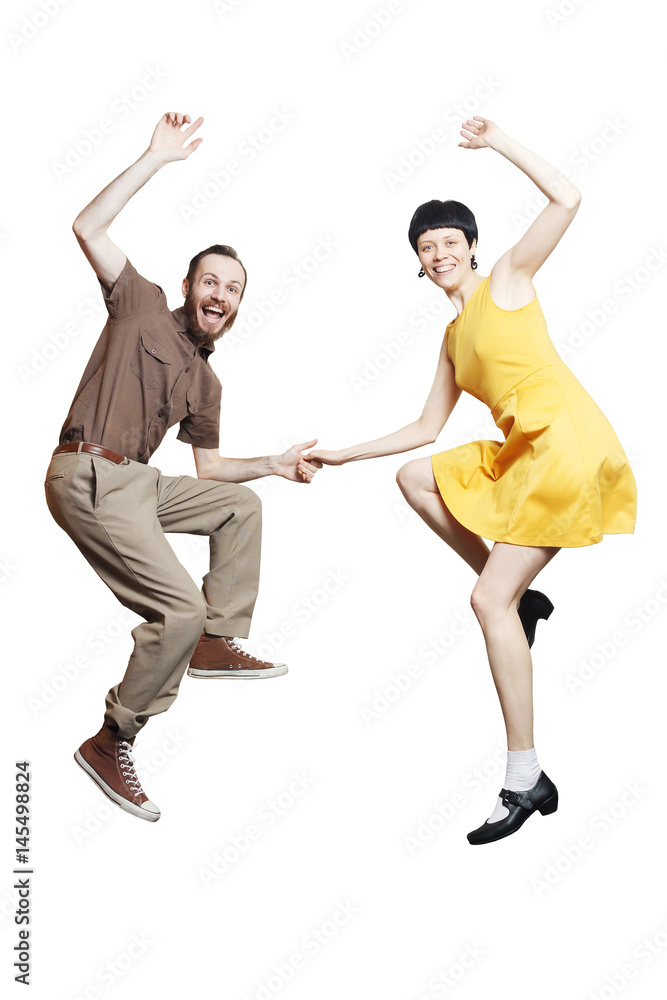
x: 294, y: 465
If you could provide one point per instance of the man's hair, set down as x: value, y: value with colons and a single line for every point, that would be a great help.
x: 442, y: 215
x: 224, y: 251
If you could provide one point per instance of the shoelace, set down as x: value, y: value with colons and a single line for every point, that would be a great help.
x: 237, y: 649
x: 127, y: 768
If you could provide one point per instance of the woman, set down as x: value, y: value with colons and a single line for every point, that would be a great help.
x: 559, y: 479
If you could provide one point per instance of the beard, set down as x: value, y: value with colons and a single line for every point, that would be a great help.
x: 201, y: 336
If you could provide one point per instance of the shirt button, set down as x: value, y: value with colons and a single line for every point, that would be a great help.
x: 153, y: 351
x: 187, y: 369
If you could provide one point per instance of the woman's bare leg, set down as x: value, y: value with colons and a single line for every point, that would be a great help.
x: 418, y: 486
x: 504, y: 573
x: 509, y: 570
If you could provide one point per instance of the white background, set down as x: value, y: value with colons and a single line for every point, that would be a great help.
x: 122, y: 908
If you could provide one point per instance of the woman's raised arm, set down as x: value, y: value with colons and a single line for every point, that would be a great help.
x: 531, y: 251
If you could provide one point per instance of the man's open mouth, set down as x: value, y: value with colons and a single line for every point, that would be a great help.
x: 214, y: 313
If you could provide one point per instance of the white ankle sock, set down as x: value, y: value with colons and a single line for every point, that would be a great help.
x: 523, y: 770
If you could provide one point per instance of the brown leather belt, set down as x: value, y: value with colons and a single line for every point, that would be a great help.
x: 92, y: 449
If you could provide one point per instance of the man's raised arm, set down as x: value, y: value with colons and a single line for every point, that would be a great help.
x: 91, y: 224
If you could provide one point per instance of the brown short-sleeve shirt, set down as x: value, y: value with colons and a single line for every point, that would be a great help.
x: 145, y: 375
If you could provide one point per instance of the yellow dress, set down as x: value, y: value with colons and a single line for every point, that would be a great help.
x: 560, y: 477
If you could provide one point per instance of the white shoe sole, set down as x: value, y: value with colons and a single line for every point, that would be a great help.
x: 275, y: 671
x: 130, y: 807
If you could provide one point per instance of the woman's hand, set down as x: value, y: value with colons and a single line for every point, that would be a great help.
x: 478, y: 131
x: 320, y: 458
x: 167, y: 140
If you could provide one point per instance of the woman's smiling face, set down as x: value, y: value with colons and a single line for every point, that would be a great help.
x: 445, y: 256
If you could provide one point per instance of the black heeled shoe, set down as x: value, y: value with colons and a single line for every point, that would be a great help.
x: 533, y: 605
x: 542, y: 797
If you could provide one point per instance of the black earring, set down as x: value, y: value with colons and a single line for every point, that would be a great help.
x: 421, y: 273
x: 473, y: 262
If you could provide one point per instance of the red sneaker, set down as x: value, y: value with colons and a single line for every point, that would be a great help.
x: 221, y: 656
x: 107, y: 759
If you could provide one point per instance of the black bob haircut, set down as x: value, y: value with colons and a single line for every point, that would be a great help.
x: 224, y: 251
x: 442, y: 215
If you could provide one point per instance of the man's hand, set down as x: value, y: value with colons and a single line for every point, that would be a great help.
x: 292, y: 465
x: 167, y: 141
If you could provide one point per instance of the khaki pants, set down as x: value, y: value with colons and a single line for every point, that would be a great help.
x: 117, y: 516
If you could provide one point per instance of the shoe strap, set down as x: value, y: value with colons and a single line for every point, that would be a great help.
x: 516, y: 799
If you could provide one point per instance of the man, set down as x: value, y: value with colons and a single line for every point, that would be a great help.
x: 148, y: 371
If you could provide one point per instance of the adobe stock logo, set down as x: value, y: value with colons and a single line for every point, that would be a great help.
x: 310, y: 945
x: 252, y: 146
x: 635, y: 620
x: 423, y: 148
x: 32, y: 24
x: 119, y: 110
x: 237, y: 845
x: 366, y: 33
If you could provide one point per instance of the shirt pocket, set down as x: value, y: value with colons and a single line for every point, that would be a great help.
x: 151, y: 361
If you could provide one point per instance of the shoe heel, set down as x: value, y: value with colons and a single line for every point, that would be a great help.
x: 544, y: 608
x: 550, y: 805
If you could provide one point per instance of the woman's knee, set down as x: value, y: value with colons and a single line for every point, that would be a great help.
x: 409, y: 478
x: 488, y: 601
